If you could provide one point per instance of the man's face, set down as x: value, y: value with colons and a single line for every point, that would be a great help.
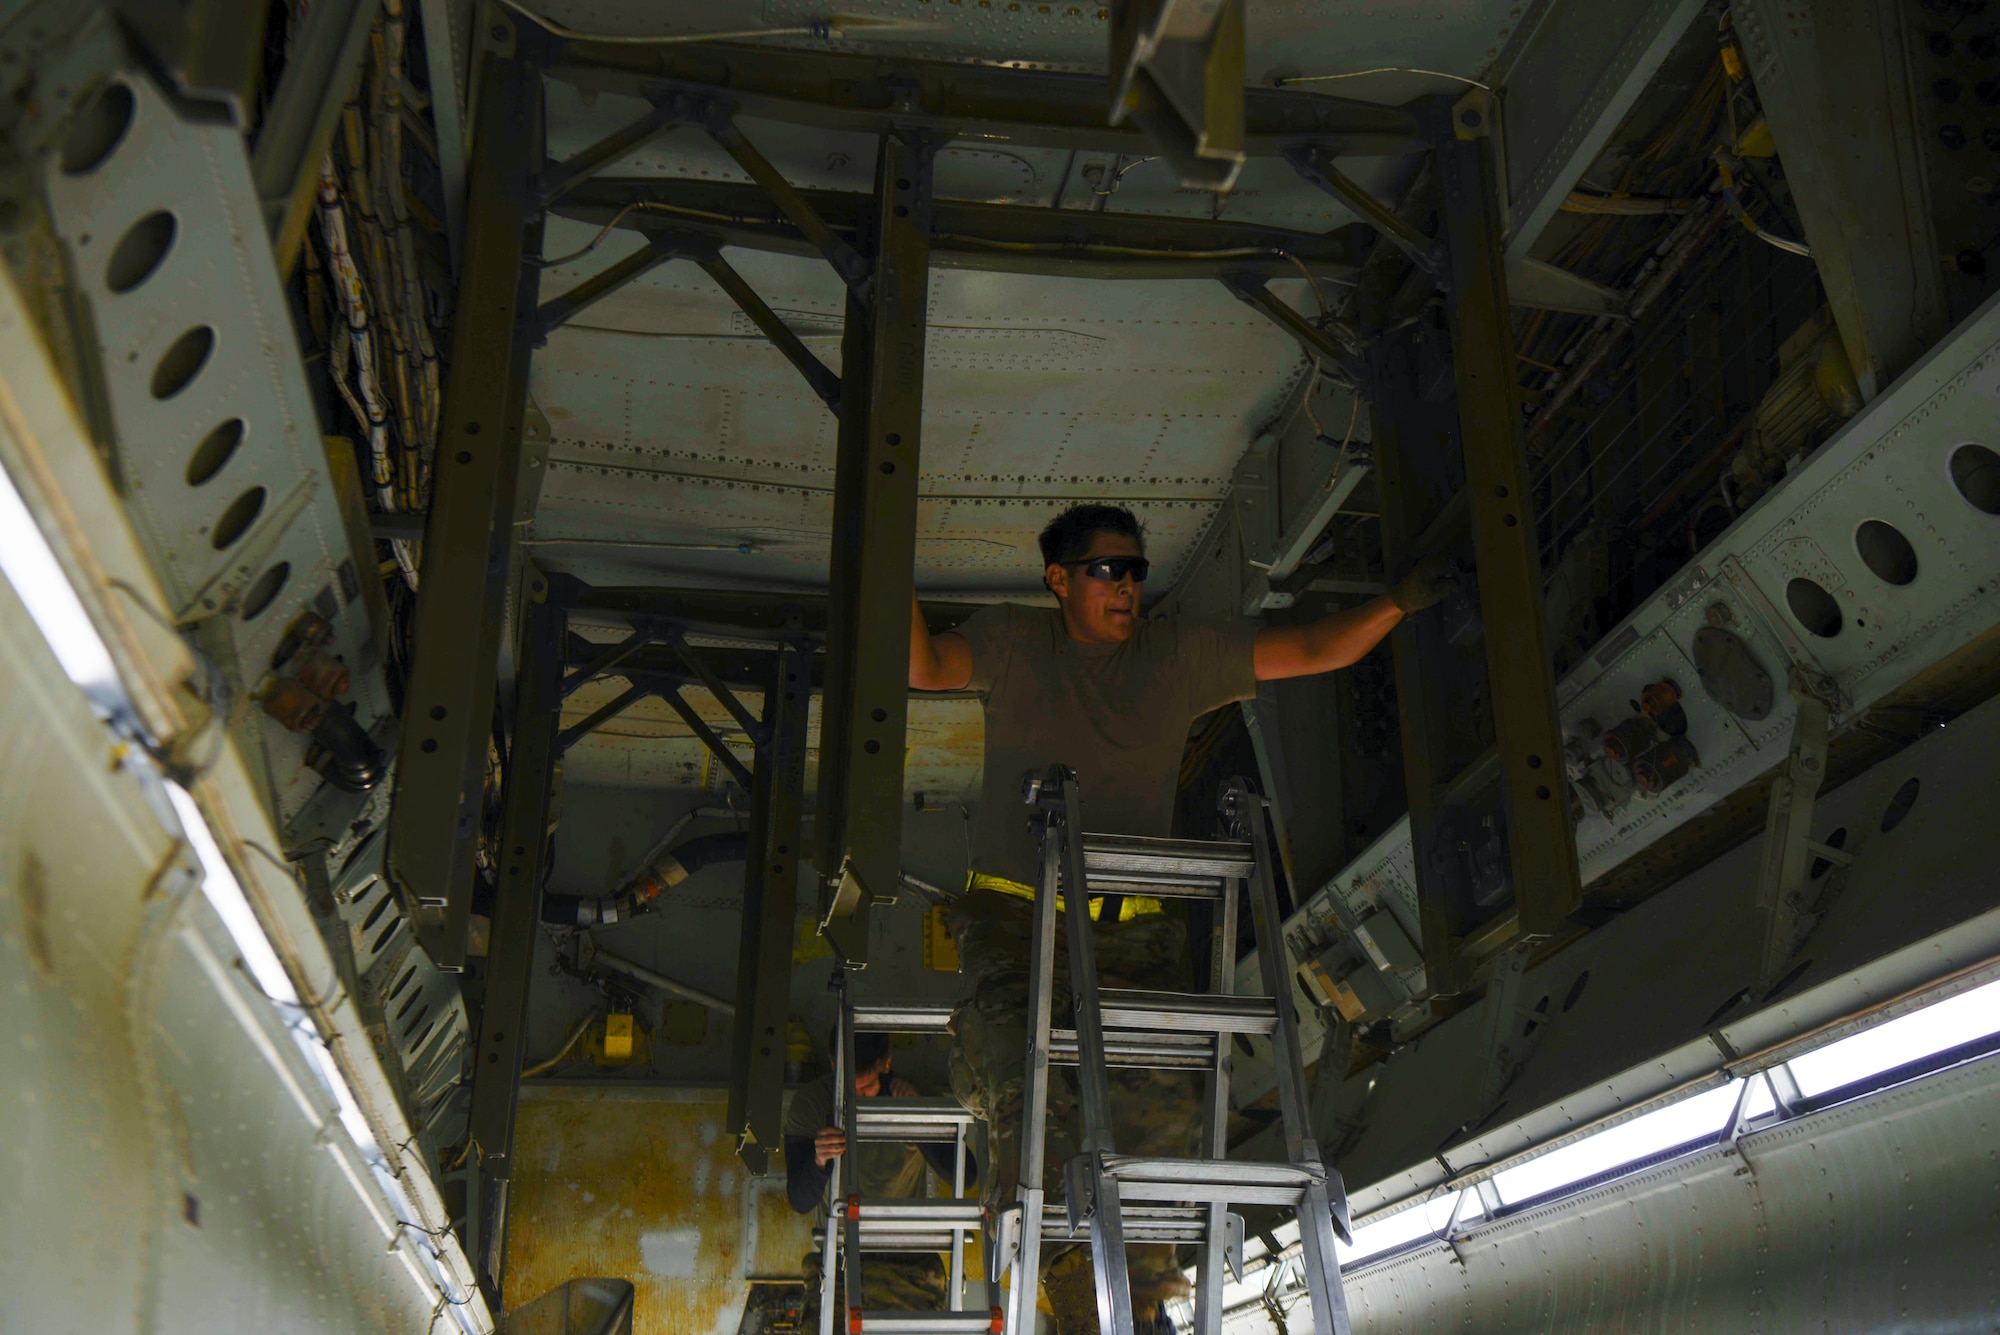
x: 868, y: 1083
x: 1101, y: 611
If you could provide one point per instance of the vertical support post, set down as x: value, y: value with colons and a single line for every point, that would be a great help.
x: 874, y: 549
x: 1541, y: 837
x: 770, y: 902
x: 469, y: 542
x: 524, y: 848
x: 1433, y: 676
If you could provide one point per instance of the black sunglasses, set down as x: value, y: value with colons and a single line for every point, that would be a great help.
x: 1113, y: 568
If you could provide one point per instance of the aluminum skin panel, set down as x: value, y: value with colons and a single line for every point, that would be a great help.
x: 1878, y: 1214
x: 679, y: 431
x: 1285, y: 38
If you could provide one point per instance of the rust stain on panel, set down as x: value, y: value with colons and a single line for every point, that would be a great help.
x: 647, y: 1190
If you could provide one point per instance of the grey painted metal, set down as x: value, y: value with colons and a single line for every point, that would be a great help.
x: 1284, y: 41
x: 469, y: 545
x: 1781, y: 879
x: 978, y: 235
x: 528, y: 797
x: 856, y: 92
x: 1891, y: 462
x: 447, y: 59
x: 770, y: 906
x: 1569, y: 78
x: 326, y: 57
x: 1877, y: 1213
x: 216, y: 311
x: 1836, y: 84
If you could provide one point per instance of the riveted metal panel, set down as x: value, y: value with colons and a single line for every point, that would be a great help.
x: 202, y: 343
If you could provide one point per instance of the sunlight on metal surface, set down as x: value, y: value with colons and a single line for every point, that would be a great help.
x: 1688, y: 1122
x: 31, y: 567
x: 1937, y: 1028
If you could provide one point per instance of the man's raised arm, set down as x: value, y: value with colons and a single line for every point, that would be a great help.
x: 937, y: 662
x: 1344, y: 638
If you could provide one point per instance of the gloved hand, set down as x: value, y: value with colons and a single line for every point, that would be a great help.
x: 1429, y: 582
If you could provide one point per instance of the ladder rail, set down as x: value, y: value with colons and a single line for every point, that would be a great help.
x: 846, y: 1096
x: 1316, y: 1206
x: 1211, y: 1255
x: 1107, y: 1223
x: 1027, y: 1251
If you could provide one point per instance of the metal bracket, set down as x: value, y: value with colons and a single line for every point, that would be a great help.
x: 632, y: 695
x: 723, y: 755
x: 846, y: 261
x: 558, y: 179
x: 1788, y: 848
x: 558, y: 310
x: 1336, y: 342
x: 1312, y: 162
x: 1177, y: 69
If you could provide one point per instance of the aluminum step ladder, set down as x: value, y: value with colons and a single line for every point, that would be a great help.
x: 857, y: 1226
x: 1112, y: 1199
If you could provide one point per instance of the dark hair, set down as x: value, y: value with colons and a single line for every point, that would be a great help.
x: 871, y: 1049
x: 1068, y: 535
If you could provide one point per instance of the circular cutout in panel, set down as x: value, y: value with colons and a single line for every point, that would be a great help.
x: 1900, y: 804
x: 140, y: 251
x: 1887, y: 552
x: 217, y: 448
x: 98, y: 129
x: 1975, y: 471
x: 182, y: 362
x: 237, y: 519
x: 1814, y: 607
x: 268, y: 586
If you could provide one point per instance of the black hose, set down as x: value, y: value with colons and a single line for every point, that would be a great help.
x: 637, y: 896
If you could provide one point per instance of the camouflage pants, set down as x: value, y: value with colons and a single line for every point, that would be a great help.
x: 913, y: 1282
x: 1152, y: 1112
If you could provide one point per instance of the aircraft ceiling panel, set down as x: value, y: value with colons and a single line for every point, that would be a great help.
x: 649, y: 746
x: 685, y: 449
x: 1286, y: 38
x: 1268, y: 191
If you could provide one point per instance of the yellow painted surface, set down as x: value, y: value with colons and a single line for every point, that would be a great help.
x: 647, y: 1189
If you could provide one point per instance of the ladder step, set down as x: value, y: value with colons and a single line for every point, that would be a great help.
x: 902, y: 1017
x: 1176, y: 866
x: 919, y: 1120
x: 1125, y: 1008
x: 1165, y: 1050
x: 1180, y: 1224
x: 891, y: 1215
x: 928, y: 1323
x: 1216, y: 1181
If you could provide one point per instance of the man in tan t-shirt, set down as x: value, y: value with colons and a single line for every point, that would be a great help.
x: 1090, y: 685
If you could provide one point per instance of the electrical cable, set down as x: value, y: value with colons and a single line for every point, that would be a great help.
x: 824, y: 30
x: 561, y: 1052
x: 595, y: 241
x: 1379, y: 69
